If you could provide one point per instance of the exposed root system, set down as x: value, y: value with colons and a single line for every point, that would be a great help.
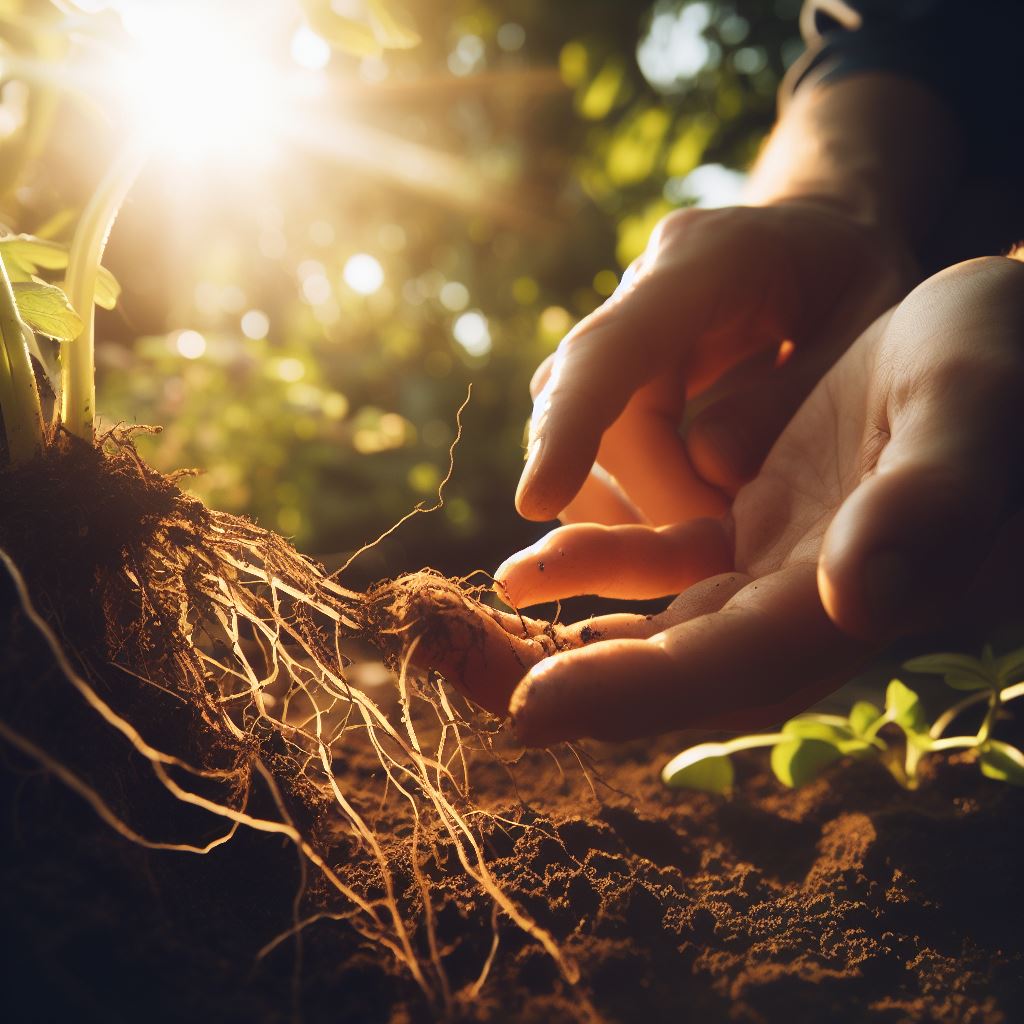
x: 444, y: 627
x: 171, y: 620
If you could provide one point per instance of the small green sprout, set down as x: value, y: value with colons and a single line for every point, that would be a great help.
x: 806, y: 744
x: 29, y: 306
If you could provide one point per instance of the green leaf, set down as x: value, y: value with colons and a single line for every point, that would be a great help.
x: 33, y: 252
x: 1010, y: 667
x: 705, y: 767
x: 961, y: 671
x: 45, y: 308
x: 863, y: 716
x: 959, y: 681
x: 1002, y: 762
x: 108, y: 291
x: 342, y: 33
x: 16, y: 269
x: 24, y: 255
x: 903, y: 707
x: 799, y: 761
x: 815, y: 727
x: 811, y: 728
x: 393, y: 26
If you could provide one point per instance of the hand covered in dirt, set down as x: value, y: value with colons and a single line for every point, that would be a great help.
x: 715, y: 291
x: 874, y: 511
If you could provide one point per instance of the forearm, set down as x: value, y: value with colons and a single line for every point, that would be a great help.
x: 876, y: 146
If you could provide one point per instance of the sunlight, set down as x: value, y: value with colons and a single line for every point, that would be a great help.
x: 197, y: 88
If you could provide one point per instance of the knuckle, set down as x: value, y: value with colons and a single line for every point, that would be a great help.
x: 683, y: 225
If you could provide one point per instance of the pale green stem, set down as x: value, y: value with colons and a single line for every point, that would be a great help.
x: 912, y: 755
x: 995, y: 702
x: 78, y: 376
x: 954, y: 743
x: 765, y: 739
x: 995, y: 698
x: 19, y: 396
x: 943, y: 722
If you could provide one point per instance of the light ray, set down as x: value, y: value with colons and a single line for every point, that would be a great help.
x: 442, y: 176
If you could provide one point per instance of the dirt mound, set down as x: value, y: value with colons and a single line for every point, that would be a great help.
x: 849, y: 900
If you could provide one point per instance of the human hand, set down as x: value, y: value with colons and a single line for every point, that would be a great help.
x: 872, y: 513
x: 714, y: 289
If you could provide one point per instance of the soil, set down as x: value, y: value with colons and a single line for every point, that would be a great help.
x: 848, y: 900
x: 467, y: 880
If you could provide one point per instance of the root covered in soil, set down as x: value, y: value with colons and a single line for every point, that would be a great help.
x: 175, y: 621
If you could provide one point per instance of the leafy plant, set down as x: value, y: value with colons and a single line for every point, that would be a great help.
x: 806, y: 744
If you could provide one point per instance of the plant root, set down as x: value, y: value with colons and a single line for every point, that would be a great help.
x: 172, y: 620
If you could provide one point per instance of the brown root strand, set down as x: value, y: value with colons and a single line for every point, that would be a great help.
x: 220, y: 658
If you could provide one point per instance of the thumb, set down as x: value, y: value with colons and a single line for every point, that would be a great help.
x: 912, y: 536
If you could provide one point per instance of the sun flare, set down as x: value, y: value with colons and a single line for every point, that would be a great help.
x: 198, y: 82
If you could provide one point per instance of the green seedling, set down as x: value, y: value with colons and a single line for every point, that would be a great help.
x: 29, y: 306
x: 808, y: 743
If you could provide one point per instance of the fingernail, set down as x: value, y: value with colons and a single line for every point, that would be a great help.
x: 512, y: 588
x: 532, y: 455
x: 501, y: 585
x: 888, y: 587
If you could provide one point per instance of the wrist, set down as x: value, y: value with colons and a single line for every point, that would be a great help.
x: 847, y: 146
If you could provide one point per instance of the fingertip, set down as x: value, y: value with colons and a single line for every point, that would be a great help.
x: 530, y: 707
x: 500, y: 590
x: 533, y: 506
x: 542, y: 705
x: 612, y: 690
x: 511, y: 580
x: 537, y: 496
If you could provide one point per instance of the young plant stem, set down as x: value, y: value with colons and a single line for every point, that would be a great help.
x: 943, y: 722
x: 937, y: 742
x: 954, y: 743
x: 78, y: 376
x: 765, y: 739
x: 995, y: 702
x: 19, y: 396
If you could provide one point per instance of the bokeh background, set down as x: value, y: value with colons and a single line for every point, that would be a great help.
x: 305, y: 332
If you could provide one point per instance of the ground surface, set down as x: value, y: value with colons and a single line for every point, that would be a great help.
x: 849, y: 900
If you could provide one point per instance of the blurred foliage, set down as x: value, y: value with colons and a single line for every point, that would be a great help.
x: 306, y: 337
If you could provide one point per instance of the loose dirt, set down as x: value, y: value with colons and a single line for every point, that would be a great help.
x: 849, y: 900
